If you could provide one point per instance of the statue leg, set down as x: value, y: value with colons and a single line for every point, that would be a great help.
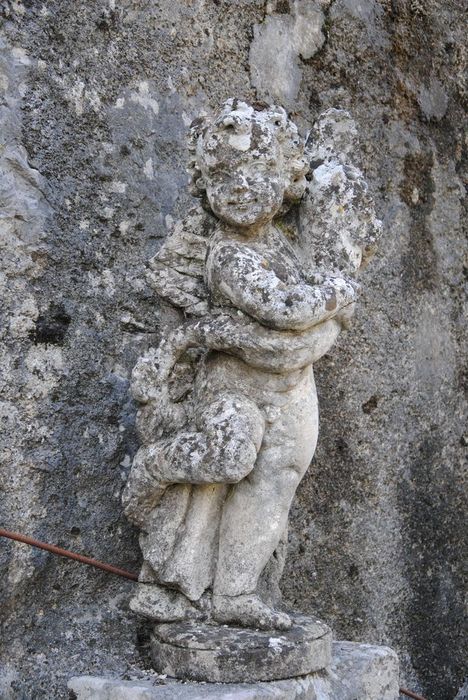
x: 223, y: 449
x: 256, y: 514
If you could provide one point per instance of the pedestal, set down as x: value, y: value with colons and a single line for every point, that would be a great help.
x: 214, y: 653
x: 357, y: 672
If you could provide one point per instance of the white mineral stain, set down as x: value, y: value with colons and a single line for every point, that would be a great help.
x: 44, y: 364
x: 187, y: 119
x: 278, y: 42
x: 148, y: 169
x: 4, y: 82
x: 118, y: 187
x: 75, y: 95
x: 275, y: 643
x: 108, y: 212
x: 120, y: 371
x: 241, y: 142
x: 104, y: 282
x: 108, y: 282
x: 93, y: 99
x: 143, y: 98
x: 21, y: 55
x: 18, y: 7
x: 23, y: 322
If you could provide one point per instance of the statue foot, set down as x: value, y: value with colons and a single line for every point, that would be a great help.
x: 248, y: 611
x: 142, y: 492
x: 162, y: 604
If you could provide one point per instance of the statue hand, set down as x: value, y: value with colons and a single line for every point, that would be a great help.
x: 345, y: 291
x: 345, y: 315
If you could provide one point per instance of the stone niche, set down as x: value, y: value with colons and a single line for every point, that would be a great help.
x: 97, y: 100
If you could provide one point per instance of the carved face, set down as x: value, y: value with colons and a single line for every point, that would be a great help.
x: 242, y: 165
x: 250, y: 193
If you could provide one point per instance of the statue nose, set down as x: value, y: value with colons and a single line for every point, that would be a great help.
x: 241, y: 185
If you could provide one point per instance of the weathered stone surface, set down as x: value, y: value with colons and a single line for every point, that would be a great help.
x: 463, y: 692
x: 375, y: 546
x: 358, y: 672
x: 280, y: 42
x: 364, y: 671
x: 233, y: 655
x: 224, y: 448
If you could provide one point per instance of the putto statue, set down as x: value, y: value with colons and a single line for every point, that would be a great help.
x: 228, y: 419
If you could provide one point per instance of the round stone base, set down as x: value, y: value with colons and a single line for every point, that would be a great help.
x: 218, y: 653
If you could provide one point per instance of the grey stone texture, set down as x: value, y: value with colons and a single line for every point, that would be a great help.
x: 463, y: 692
x: 96, y: 99
x: 357, y: 672
x: 226, y: 654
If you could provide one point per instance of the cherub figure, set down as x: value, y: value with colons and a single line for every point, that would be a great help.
x: 223, y: 453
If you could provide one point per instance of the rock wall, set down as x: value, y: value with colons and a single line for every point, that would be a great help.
x: 96, y: 99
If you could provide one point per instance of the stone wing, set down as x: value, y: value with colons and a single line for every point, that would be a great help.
x: 338, y: 228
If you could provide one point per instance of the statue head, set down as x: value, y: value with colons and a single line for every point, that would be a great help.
x: 248, y: 162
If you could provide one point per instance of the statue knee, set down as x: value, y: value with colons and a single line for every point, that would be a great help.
x: 238, y: 459
x: 234, y: 429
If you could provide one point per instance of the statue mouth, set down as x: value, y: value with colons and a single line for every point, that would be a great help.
x: 244, y: 203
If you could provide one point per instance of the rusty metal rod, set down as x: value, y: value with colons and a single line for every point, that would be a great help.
x: 66, y: 553
x: 410, y: 694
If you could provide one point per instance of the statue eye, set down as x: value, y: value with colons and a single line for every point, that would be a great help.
x: 217, y: 172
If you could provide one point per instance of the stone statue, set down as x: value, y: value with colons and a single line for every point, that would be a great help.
x: 229, y: 419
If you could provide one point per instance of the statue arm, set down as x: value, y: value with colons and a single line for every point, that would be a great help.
x: 242, y: 276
